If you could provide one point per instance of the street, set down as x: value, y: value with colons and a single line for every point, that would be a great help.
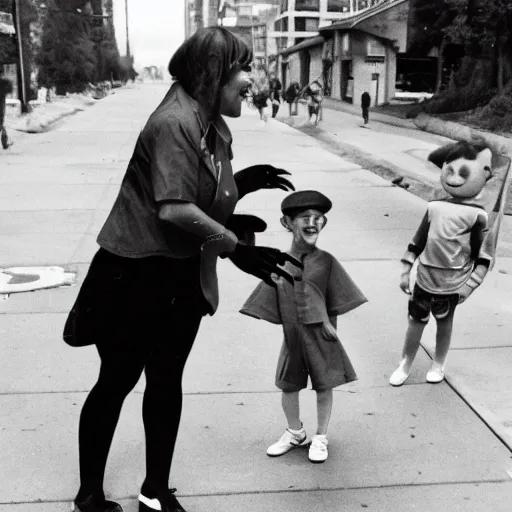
x: 420, y: 447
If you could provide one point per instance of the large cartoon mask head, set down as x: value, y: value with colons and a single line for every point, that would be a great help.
x: 465, y: 168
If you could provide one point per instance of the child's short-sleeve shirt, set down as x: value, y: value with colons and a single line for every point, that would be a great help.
x: 324, y: 290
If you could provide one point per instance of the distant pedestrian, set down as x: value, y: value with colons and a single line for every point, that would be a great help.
x: 308, y: 311
x: 314, y: 96
x: 365, y: 106
x: 275, y: 94
x: 291, y: 97
x: 5, y: 89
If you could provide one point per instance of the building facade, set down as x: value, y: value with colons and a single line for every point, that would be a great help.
x: 352, y: 56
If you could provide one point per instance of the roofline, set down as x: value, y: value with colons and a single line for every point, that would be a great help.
x: 308, y: 43
x: 359, y: 18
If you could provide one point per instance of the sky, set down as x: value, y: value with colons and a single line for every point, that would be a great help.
x: 156, y: 29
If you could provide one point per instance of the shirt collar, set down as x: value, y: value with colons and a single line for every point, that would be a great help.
x: 218, y: 124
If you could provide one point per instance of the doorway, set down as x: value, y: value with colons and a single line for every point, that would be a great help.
x: 305, y: 61
x: 346, y: 81
x: 374, y: 89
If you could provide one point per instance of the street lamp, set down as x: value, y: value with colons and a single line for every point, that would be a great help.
x: 22, y: 89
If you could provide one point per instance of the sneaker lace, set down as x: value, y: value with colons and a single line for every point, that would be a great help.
x: 290, y: 438
x: 318, y: 444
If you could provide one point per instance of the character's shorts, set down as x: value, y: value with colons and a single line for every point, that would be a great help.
x: 422, y: 303
x: 313, y: 109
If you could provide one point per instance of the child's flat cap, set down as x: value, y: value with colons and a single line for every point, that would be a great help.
x: 304, y: 200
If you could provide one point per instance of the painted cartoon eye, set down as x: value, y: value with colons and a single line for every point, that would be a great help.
x: 464, y: 173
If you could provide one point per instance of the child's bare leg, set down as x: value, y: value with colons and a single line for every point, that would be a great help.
x: 412, y: 343
x: 324, y: 409
x: 443, y: 338
x: 291, y: 408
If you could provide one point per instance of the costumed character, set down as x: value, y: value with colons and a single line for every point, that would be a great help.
x: 453, y: 248
x: 307, y: 310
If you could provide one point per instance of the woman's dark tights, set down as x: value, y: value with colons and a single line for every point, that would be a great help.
x: 163, y: 358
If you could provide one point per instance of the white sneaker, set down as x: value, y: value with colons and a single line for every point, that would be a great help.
x: 435, y: 374
x: 398, y: 377
x: 318, y: 449
x: 288, y: 441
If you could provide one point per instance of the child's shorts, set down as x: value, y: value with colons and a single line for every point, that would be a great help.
x: 305, y: 352
x: 422, y: 303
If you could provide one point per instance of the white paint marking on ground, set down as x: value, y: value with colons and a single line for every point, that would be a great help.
x: 27, y: 279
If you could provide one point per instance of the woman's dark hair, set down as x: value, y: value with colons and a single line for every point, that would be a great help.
x: 462, y: 149
x: 206, y: 61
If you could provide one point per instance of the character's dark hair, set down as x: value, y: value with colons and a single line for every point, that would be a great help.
x: 462, y: 149
x: 206, y: 61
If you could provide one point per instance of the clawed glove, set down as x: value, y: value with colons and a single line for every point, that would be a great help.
x: 262, y: 262
x: 245, y: 227
x: 257, y: 177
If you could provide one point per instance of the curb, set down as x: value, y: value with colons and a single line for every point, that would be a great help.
x: 499, y: 144
x: 426, y: 190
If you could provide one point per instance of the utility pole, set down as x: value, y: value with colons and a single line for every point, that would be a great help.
x: 127, y: 30
x: 198, y: 15
x: 22, y: 90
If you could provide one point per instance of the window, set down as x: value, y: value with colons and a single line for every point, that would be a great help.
x: 362, y: 4
x: 278, y: 25
x: 300, y: 24
x: 245, y: 10
x: 345, y: 43
x: 311, y: 24
x: 307, y: 5
x: 283, y: 6
x: 285, y: 24
x: 375, y: 49
x: 338, y: 5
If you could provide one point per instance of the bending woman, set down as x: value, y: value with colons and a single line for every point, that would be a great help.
x: 153, y: 278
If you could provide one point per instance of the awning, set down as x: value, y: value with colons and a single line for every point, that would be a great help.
x: 308, y: 43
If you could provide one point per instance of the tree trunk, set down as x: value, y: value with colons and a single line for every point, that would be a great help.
x: 440, y: 65
x: 501, y: 67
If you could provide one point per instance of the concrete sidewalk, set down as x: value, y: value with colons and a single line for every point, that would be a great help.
x: 419, y: 447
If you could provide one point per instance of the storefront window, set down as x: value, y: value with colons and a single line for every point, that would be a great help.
x: 338, y: 5
x: 307, y: 5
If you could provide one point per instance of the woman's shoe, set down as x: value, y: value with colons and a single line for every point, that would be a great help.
x: 165, y: 503
x: 97, y: 504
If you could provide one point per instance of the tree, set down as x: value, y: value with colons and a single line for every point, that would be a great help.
x: 67, y: 59
x: 484, y: 27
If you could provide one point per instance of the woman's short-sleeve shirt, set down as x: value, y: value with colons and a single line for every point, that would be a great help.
x: 169, y: 163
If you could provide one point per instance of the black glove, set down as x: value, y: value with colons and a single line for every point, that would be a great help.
x: 245, y: 227
x: 257, y: 177
x: 261, y: 262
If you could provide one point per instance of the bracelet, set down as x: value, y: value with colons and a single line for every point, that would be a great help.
x: 212, y: 238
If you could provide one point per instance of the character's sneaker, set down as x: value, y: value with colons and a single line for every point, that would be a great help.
x: 288, y: 441
x: 95, y: 504
x: 398, y: 377
x: 318, y: 449
x: 435, y: 374
x: 166, y: 503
